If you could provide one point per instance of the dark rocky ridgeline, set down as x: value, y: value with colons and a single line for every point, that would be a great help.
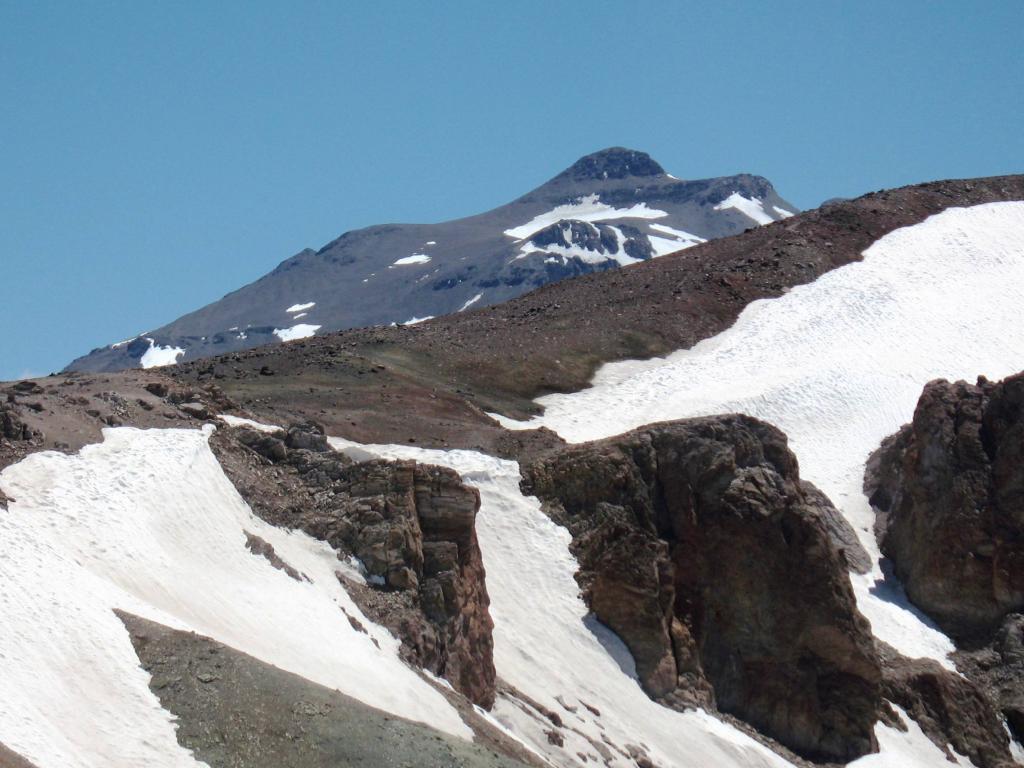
x: 948, y: 489
x: 233, y: 710
x: 699, y: 545
x: 412, y: 526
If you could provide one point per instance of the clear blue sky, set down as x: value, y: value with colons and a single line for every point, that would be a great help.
x: 156, y: 156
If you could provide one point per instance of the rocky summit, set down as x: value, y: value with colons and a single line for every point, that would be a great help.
x: 609, y: 209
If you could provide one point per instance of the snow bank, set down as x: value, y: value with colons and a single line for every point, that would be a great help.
x: 589, y: 208
x: 300, y: 307
x: 838, y: 364
x: 147, y: 522
x: 300, y: 331
x: 416, y: 258
x: 751, y: 207
x: 157, y: 356
x: 547, y: 646
x: 415, y: 320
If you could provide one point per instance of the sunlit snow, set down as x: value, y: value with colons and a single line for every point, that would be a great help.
x: 157, y: 356
x: 589, y: 208
x: 838, y: 364
x: 300, y: 331
x: 752, y: 208
x: 147, y: 522
x: 416, y: 258
x: 415, y: 320
x: 300, y: 307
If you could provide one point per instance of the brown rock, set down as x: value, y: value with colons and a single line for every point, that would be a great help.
x: 700, y: 547
x: 412, y: 526
x: 949, y: 492
x: 949, y: 708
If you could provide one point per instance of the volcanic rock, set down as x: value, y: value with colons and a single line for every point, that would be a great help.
x: 699, y: 545
x: 411, y: 527
x: 948, y: 489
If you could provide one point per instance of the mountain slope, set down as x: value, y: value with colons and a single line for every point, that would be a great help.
x: 609, y: 209
x: 149, y: 522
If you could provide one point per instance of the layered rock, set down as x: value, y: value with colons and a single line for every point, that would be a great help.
x: 699, y: 545
x: 948, y: 489
x: 411, y: 526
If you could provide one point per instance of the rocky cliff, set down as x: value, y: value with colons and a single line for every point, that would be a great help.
x: 949, y: 492
x: 409, y: 526
x: 699, y: 545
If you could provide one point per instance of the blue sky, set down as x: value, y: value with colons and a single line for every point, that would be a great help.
x: 156, y: 156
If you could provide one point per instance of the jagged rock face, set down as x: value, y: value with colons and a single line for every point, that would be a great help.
x: 949, y: 492
x: 999, y: 670
x: 697, y: 544
x: 411, y: 525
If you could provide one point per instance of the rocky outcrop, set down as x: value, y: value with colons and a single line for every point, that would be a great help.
x: 998, y: 669
x: 699, y: 545
x: 411, y: 527
x: 948, y: 707
x: 948, y: 489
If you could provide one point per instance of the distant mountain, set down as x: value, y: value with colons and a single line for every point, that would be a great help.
x: 609, y: 209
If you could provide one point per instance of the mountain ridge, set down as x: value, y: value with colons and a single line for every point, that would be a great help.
x: 610, y: 208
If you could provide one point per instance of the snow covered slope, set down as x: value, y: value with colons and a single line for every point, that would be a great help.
x: 838, y: 364
x: 547, y: 646
x: 147, y: 522
x: 611, y: 208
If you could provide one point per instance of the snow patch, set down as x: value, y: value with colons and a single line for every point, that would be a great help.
x: 416, y: 258
x: 415, y: 320
x: 157, y: 356
x: 300, y: 307
x: 147, y: 522
x: 589, y: 208
x: 838, y: 364
x: 783, y: 212
x: 238, y: 421
x: 300, y: 331
x: 471, y: 302
x: 751, y: 207
x: 912, y: 749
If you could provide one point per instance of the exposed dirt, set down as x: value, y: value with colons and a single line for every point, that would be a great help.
x: 11, y: 759
x: 234, y: 710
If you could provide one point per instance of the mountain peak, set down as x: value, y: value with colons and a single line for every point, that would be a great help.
x: 613, y: 163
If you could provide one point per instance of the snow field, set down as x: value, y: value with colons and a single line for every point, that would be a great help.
x: 147, y: 522
x: 838, y: 364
